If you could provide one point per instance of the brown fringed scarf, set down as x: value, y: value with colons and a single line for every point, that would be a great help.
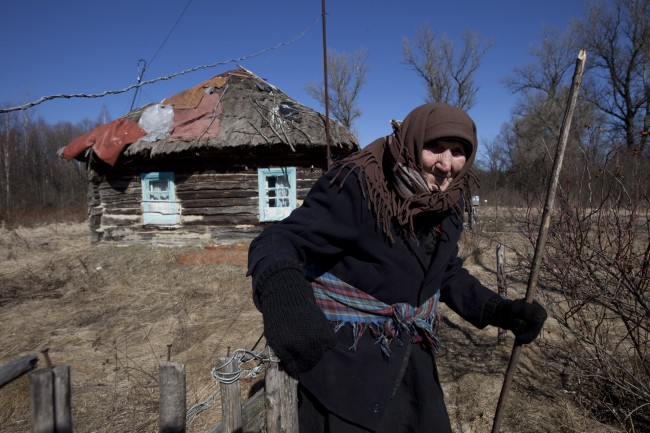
x: 391, y: 166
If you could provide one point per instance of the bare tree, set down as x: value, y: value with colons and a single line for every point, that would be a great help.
x: 616, y: 34
x: 554, y: 59
x: 448, y: 74
x: 533, y: 132
x: 346, y: 74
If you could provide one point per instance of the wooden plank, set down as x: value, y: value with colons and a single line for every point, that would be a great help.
x: 218, y: 185
x: 231, y: 397
x: 108, y: 221
x: 15, y: 369
x: 122, y: 201
x: 281, y: 401
x: 213, y: 175
x: 212, y: 194
x: 41, y: 397
x: 226, y: 210
x: 223, y: 220
x: 253, y: 415
x: 135, y: 211
x: 95, y: 211
x: 172, y: 404
x: 62, y: 399
x: 116, y: 196
x: 224, y: 204
x: 289, y: 407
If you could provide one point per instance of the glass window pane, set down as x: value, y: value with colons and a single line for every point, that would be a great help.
x: 159, y: 189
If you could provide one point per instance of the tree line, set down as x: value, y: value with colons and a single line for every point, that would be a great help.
x: 36, y: 185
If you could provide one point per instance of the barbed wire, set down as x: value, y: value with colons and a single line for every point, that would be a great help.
x: 242, y: 356
x: 195, y: 410
x: 155, y: 80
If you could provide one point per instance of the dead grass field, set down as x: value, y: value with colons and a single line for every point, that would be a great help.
x: 110, y: 312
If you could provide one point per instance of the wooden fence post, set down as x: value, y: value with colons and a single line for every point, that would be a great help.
x: 62, y: 399
x: 41, y: 398
x: 231, y: 398
x: 15, y: 369
x: 281, y: 401
x: 172, y: 404
x: 49, y: 391
x: 501, y: 282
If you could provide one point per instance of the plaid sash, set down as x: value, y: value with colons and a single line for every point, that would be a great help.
x: 342, y: 303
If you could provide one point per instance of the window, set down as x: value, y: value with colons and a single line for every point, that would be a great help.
x: 277, y: 192
x: 159, y: 205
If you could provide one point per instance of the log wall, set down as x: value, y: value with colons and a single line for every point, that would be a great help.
x: 215, y: 206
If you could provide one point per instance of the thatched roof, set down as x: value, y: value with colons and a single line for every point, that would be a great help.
x: 239, y: 109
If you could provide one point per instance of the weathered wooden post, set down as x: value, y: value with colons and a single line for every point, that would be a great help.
x: 473, y: 210
x: 231, y: 397
x: 172, y: 404
x: 281, y: 401
x: 41, y: 398
x: 49, y: 391
x: 62, y: 399
x: 15, y: 369
x: 501, y: 282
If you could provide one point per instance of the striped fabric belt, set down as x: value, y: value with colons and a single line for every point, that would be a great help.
x: 342, y: 303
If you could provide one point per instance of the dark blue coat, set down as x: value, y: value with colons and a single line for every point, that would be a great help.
x: 335, y: 229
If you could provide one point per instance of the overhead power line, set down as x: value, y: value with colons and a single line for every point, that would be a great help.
x: 178, y: 20
x: 154, y: 80
x: 143, y: 63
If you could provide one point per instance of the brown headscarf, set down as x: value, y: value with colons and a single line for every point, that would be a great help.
x: 392, y: 166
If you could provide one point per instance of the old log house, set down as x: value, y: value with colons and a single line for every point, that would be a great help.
x: 212, y: 164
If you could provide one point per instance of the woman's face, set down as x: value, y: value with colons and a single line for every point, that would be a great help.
x: 442, y: 160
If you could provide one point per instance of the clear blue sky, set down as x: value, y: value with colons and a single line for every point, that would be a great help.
x: 72, y: 46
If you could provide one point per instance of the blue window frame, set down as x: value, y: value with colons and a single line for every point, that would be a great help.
x: 159, y: 204
x: 277, y: 192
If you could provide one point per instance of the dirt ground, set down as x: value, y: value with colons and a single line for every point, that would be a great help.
x: 112, y: 313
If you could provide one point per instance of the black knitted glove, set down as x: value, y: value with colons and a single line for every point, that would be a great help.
x: 524, y: 319
x: 294, y: 325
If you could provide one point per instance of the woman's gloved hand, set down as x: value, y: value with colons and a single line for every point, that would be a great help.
x: 294, y: 325
x: 524, y: 319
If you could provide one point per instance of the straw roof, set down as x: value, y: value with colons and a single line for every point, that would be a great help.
x: 239, y: 109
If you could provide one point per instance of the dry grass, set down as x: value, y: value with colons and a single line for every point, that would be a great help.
x: 109, y: 312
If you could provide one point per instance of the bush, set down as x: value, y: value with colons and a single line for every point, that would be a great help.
x: 596, y: 262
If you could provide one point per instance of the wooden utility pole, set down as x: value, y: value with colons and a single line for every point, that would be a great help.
x: 325, y: 73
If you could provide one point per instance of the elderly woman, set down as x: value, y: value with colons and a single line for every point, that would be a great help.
x: 349, y: 284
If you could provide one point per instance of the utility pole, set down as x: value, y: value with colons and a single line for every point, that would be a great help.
x: 327, y: 112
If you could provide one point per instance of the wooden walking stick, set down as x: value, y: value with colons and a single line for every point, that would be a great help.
x: 543, y: 229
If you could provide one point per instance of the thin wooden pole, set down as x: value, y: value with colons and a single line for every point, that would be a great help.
x: 325, y: 73
x: 502, y: 286
x: 543, y: 229
x: 15, y: 369
x: 172, y: 401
